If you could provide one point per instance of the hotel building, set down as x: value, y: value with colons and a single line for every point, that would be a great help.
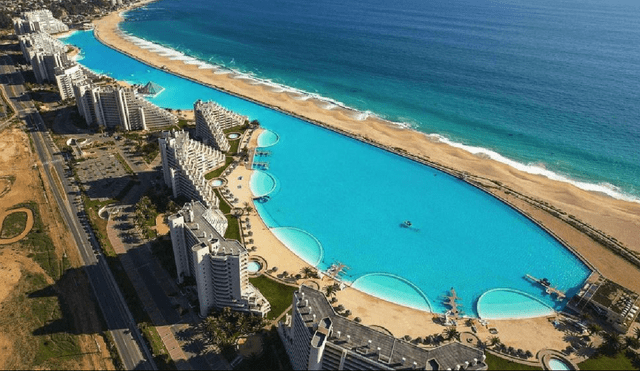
x: 185, y: 162
x: 45, y: 54
x: 38, y: 21
x: 316, y: 338
x: 113, y: 106
x: 211, y: 120
x: 218, y: 265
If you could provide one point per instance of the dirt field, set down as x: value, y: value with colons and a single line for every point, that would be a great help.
x: 47, y: 317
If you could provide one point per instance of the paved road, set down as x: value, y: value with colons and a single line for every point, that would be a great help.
x: 128, y: 340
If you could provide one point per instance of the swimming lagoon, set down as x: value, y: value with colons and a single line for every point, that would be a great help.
x: 335, y: 199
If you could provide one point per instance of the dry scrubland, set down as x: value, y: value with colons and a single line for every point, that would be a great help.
x: 47, y: 317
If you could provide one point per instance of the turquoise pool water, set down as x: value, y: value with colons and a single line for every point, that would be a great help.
x: 507, y: 303
x: 217, y: 182
x: 253, y: 267
x: 337, y: 199
x: 268, y: 138
x: 262, y: 183
x: 556, y: 364
x: 233, y: 136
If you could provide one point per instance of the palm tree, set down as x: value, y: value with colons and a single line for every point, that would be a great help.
x: 594, y: 329
x: 307, y: 271
x: 452, y: 333
x: 632, y: 342
x: 470, y: 322
x: 330, y: 290
x: 494, y: 340
x: 612, y: 342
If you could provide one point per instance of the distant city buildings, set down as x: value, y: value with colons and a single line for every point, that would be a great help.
x: 218, y: 265
x: 316, y: 338
x: 38, y: 21
x: 185, y: 162
x: 211, y: 120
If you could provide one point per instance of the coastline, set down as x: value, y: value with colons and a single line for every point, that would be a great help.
x: 518, y: 189
x: 614, y: 217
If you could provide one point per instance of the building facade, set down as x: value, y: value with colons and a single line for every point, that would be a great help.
x: 211, y: 121
x: 316, y: 338
x: 114, y: 106
x: 184, y: 164
x: 38, y: 21
x: 65, y: 79
x: 218, y: 265
x: 45, y: 54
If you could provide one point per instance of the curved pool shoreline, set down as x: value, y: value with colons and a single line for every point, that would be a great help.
x: 416, y: 159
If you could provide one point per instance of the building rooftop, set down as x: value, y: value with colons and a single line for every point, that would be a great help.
x: 202, y: 226
x: 369, y: 343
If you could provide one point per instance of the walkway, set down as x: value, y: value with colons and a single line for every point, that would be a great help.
x: 27, y: 229
x: 164, y: 331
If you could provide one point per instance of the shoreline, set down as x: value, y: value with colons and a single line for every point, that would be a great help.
x: 620, y: 219
x: 482, y: 181
x: 327, y: 103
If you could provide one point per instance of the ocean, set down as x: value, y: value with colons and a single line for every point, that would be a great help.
x: 550, y: 87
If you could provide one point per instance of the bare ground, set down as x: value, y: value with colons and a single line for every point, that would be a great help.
x: 20, y: 275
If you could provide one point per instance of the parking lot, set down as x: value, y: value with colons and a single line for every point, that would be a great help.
x: 102, y: 175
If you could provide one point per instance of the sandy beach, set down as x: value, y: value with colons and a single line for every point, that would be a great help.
x: 534, y: 195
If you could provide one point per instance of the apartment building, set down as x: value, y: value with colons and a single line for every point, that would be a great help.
x: 316, y: 338
x: 38, y: 21
x: 45, y: 54
x: 211, y: 120
x: 185, y: 162
x: 218, y: 265
x: 113, y: 106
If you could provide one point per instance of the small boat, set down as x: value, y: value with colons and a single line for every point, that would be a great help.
x: 406, y: 224
x: 545, y: 282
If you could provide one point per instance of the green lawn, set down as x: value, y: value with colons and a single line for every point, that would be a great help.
x: 217, y: 172
x: 233, y: 231
x: 498, y: 363
x: 13, y: 224
x: 619, y: 362
x: 280, y: 296
x: 224, y: 206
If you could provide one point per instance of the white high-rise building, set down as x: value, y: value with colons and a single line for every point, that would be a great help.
x: 38, y: 21
x: 316, y: 338
x: 211, y: 120
x: 117, y: 106
x: 45, y: 54
x: 66, y: 77
x: 185, y: 162
x: 218, y: 265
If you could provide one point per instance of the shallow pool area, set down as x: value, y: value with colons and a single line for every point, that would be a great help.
x: 393, y: 288
x: 233, y: 136
x: 336, y: 199
x: 509, y: 303
x: 558, y: 364
x: 268, y: 138
x: 254, y: 267
x: 303, y: 243
x: 262, y: 183
x: 217, y: 182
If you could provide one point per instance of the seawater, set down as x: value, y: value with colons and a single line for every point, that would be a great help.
x: 337, y: 199
x: 550, y: 85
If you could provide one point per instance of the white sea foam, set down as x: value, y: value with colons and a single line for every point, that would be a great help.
x: 329, y: 104
x: 540, y: 169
